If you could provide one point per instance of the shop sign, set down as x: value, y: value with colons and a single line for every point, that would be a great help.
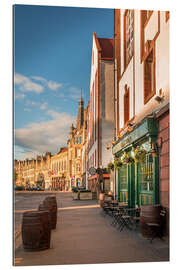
x: 147, y: 127
x: 92, y: 171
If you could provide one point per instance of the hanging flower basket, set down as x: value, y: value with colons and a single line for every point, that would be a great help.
x: 126, y: 158
x: 140, y: 154
x: 117, y: 163
x: 110, y: 166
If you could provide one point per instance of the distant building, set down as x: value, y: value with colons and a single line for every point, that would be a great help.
x: 76, y: 144
x: 59, y: 170
x: 101, y: 111
x: 34, y: 172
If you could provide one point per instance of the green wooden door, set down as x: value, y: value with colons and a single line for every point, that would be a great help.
x: 123, y: 183
x: 146, y: 181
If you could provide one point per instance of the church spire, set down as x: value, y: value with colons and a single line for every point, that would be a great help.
x: 80, y: 118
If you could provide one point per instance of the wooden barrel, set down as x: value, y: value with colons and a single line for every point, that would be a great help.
x: 101, y: 199
x: 42, y: 207
x: 36, y: 230
x: 51, y: 205
x: 149, y: 214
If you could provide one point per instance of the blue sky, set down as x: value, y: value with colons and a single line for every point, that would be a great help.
x: 52, y: 62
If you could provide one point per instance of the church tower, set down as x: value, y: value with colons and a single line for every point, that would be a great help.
x: 80, y: 118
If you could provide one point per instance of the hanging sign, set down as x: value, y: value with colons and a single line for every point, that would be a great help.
x: 92, y: 171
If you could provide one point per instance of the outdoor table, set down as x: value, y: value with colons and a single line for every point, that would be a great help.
x: 124, y: 216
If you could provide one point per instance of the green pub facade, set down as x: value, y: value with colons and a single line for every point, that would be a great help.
x: 137, y: 182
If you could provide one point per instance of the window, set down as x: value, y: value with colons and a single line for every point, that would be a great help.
x: 126, y: 105
x: 145, y: 16
x: 149, y: 76
x: 78, y: 152
x: 167, y: 15
x: 128, y: 36
x: 146, y: 174
x: 77, y: 167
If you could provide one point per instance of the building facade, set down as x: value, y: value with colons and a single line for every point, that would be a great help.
x: 101, y: 111
x: 34, y: 172
x: 76, y: 147
x: 59, y: 171
x: 141, y: 46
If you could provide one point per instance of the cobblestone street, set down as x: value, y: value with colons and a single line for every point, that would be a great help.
x: 84, y: 236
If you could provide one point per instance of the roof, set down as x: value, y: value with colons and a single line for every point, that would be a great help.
x: 64, y: 149
x: 106, y: 45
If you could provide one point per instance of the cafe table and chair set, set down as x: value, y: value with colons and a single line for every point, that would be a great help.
x: 149, y: 218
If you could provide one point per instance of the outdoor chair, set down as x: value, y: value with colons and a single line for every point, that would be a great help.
x: 156, y: 229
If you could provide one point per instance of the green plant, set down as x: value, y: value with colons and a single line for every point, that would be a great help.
x: 110, y: 166
x: 140, y: 154
x: 117, y: 163
x: 126, y: 158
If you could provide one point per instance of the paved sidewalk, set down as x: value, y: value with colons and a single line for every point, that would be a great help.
x: 84, y: 236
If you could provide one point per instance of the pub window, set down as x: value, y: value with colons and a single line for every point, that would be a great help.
x: 149, y: 76
x: 128, y: 36
x: 126, y: 105
x: 146, y: 174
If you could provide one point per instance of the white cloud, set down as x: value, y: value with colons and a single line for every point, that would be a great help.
x: 38, y: 78
x: 20, y: 96
x: 31, y: 103
x: 27, y: 109
x: 44, y: 106
x: 47, y: 135
x: 54, y: 85
x: 26, y: 84
x: 22, y: 153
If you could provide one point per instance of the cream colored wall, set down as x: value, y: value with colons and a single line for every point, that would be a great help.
x: 152, y: 27
x: 95, y: 65
x: 161, y: 68
x: 94, y: 68
x: 127, y: 78
x: 162, y: 56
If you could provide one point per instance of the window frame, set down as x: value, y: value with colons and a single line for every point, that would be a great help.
x: 126, y: 112
x: 126, y: 59
x: 167, y: 15
x: 151, y: 93
x: 143, y: 25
